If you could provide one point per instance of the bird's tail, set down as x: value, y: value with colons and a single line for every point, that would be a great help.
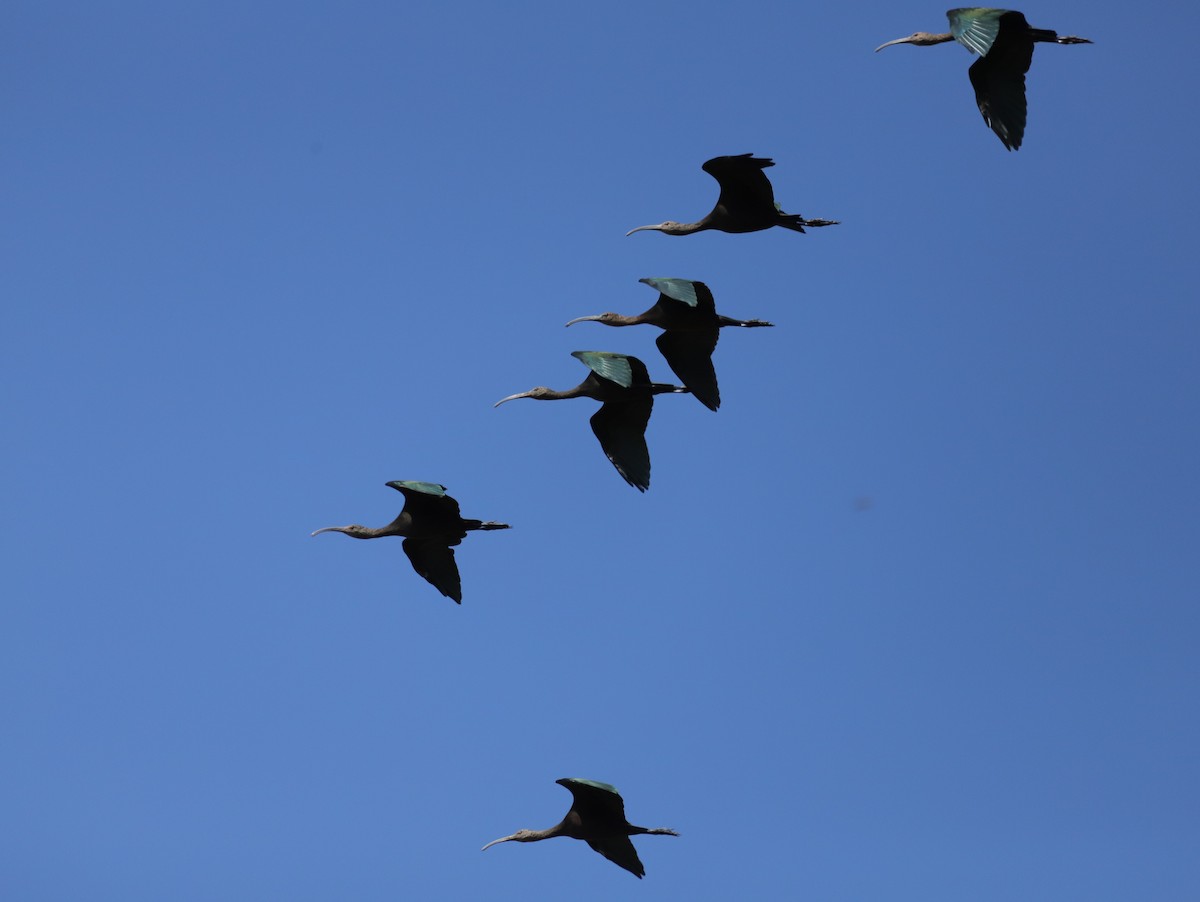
x: 747, y: 323
x: 796, y: 222
x: 1049, y: 36
x: 662, y: 388
x: 484, y: 524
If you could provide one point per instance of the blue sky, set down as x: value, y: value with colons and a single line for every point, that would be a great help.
x: 912, y: 617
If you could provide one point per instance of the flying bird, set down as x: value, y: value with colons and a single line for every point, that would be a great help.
x: 622, y: 386
x: 1004, y: 42
x: 431, y: 525
x: 746, y: 203
x: 597, y: 816
x: 686, y: 313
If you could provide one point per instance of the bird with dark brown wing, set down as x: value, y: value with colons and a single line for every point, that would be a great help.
x: 597, y: 816
x: 687, y: 314
x: 622, y: 386
x: 1004, y: 42
x: 746, y: 202
x: 431, y: 525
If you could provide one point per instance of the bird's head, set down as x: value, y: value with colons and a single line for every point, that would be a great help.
x: 354, y: 530
x: 920, y: 38
x: 539, y: 393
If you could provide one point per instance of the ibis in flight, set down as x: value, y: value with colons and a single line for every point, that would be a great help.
x: 746, y: 202
x: 431, y: 525
x: 597, y: 816
x: 1004, y: 43
x: 622, y: 386
x: 686, y: 313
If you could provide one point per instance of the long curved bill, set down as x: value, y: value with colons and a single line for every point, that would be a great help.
x: 328, y: 529
x: 643, y: 228
x: 585, y: 319
x: 524, y: 394
x: 905, y: 40
x: 494, y: 841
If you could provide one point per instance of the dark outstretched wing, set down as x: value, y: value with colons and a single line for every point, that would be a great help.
x: 431, y: 509
x: 619, y: 850
x: 602, y: 811
x: 999, y: 83
x: 745, y: 189
x: 620, y: 426
x: 433, y: 559
x: 597, y: 803
x: 689, y: 354
x: 998, y: 76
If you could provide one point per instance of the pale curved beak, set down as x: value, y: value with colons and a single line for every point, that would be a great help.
x: 523, y: 394
x: 327, y: 529
x: 584, y: 319
x: 494, y: 841
x: 642, y: 228
x: 890, y: 43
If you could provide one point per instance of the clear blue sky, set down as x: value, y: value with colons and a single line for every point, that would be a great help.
x: 914, y: 616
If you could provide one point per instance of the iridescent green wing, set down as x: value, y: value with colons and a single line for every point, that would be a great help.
x: 425, y: 488
x: 975, y: 27
x: 693, y: 294
x: 616, y: 368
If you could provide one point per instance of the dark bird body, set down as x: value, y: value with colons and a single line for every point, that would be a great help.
x: 597, y: 816
x: 430, y: 524
x: 746, y: 202
x: 1004, y: 42
x: 622, y: 386
x: 687, y: 314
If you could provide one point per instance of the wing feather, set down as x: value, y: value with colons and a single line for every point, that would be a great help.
x: 433, y: 559
x: 682, y: 290
x: 999, y: 83
x: 620, y: 426
x: 976, y: 27
x: 689, y: 355
x: 745, y: 189
x: 607, y: 365
x: 431, y: 509
x: 620, y: 851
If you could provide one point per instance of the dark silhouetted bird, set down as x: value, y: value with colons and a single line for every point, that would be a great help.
x: 1004, y: 42
x: 686, y: 313
x: 746, y: 203
x: 597, y: 816
x: 622, y: 385
x: 430, y: 524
